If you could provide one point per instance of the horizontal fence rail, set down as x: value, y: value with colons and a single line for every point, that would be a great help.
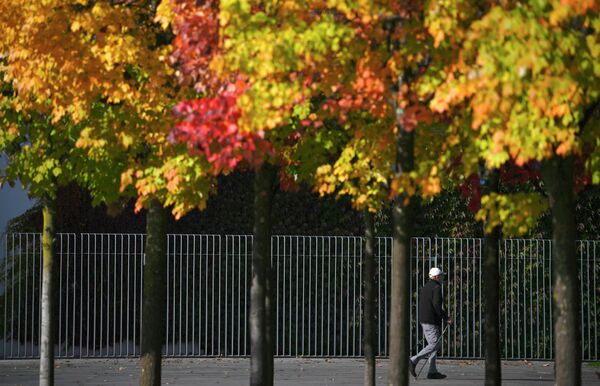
x: 318, y: 295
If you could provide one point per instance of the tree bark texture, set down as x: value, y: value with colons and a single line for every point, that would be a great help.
x: 557, y: 174
x: 399, y: 316
x: 370, y: 300
x: 154, y: 295
x: 491, y: 284
x: 48, y: 299
x: 261, y: 300
x: 402, y: 217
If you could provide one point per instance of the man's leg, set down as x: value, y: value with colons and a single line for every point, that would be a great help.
x: 433, y: 372
x: 433, y: 357
x: 432, y: 335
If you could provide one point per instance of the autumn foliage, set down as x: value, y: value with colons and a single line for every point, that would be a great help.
x: 97, y: 77
x: 196, y: 42
x: 210, y: 128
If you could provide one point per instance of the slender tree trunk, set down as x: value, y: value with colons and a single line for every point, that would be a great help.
x: 48, y: 295
x: 402, y: 216
x: 154, y: 295
x: 557, y: 174
x: 369, y: 285
x: 400, y: 307
x: 491, y: 284
x: 261, y: 343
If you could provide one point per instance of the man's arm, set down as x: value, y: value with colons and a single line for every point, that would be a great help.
x: 437, y: 304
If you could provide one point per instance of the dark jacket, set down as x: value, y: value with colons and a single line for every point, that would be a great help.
x: 430, y: 304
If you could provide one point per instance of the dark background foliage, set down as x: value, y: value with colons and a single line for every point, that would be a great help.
x: 294, y: 213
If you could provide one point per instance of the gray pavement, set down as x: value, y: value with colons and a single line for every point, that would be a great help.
x: 288, y: 372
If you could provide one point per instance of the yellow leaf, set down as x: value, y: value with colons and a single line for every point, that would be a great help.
x: 127, y: 140
x: 164, y: 13
x: 126, y: 179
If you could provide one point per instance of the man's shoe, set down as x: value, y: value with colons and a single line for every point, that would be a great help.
x: 411, y: 368
x: 436, y: 376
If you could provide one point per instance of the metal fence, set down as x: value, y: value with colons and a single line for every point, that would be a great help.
x: 318, y: 295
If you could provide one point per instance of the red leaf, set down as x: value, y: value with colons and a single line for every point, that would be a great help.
x: 209, y: 127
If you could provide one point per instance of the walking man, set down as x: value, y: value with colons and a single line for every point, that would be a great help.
x: 431, y: 317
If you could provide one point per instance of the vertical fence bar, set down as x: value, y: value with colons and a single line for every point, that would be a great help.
x: 589, y: 307
x: 335, y: 259
x: 5, y: 292
x: 220, y: 298
x: 181, y: 295
x: 461, y: 260
x: 33, y: 294
x: 276, y: 255
x: 581, y: 301
x: 73, y: 328
x: 194, y: 281
x: 226, y: 324
x: 322, y: 258
x: 379, y: 300
x: 81, y: 281
x: 60, y: 273
x: 20, y: 265
x: 26, y: 288
x: 108, y: 289
x: 481, y: 331
x: 322, y: 294
x: 537, y: 298
x: 187, y: 291
x: 289, y: 282
x: 212, y: 292
x: 168, y: 297
x: 101, y: 337
x: 452, y: 257
x: 297, y: 297
x: 354, y: 262
x: 596, y: 337
x: 141, y: 287
x: 310, y: 306
x: 387, y: 263
x: 246, y: 338
x: 39, y: 307
x: 198, y: 257
x: 206, y: 263
x: 136, y: 288
x: 95, y: 271
x: 513, y: 258
x: 544, y: 293
x: 120, y: 237
x: 212, y: 303
x: 549, y: 297
x: 304, y: 239
x: 34, y: 257
x: 12, y: 293
x: 360, y: 286
x: 239, y: 294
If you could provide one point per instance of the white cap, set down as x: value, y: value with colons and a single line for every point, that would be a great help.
x: 435, y: 271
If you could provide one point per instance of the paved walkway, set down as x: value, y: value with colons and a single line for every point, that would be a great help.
x: 289, y: 372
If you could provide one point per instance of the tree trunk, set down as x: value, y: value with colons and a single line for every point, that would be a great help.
x: 369, y: 285
x: 402, y: 216
x: 557, y: 174
x: 261, y: 343
x: 154, y: 295
x: 491, y: 272
x: 400, y: 296
x: 48, y: 295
